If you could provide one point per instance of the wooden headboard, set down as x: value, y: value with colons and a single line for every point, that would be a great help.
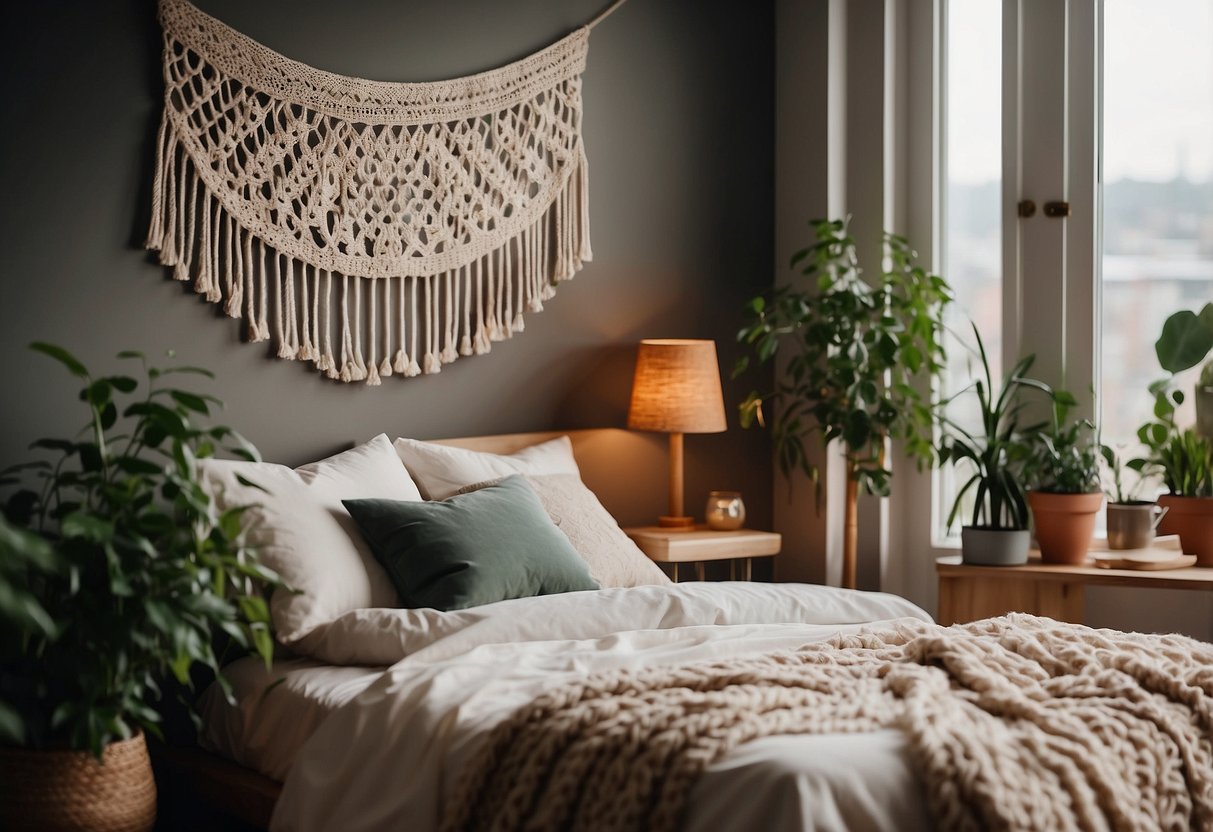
x: 626, y: 469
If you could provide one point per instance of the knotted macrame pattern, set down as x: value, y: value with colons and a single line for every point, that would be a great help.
x: 368, y: 227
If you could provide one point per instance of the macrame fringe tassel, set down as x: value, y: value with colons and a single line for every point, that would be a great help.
x: 408, y: 325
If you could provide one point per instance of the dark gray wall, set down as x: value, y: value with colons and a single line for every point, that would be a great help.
x: 678, y: 127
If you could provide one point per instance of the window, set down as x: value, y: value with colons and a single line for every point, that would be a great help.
x: 972, y: 209
x: 1157, y: 248
x: 1107, y: 106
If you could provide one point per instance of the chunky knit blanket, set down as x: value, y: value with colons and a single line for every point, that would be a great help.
x: 1014, y: 723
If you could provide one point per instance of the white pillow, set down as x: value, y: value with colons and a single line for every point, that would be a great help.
x: 614, y: 558
x: 440, y: 470
x: 306, y: 535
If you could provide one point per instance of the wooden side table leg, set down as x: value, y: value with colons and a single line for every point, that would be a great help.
x: 749, y: 569
x: 675, y: 571
x: 699, y: 570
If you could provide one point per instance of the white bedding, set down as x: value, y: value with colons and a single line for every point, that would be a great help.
x: 277, y: 709
x: 388, y: 758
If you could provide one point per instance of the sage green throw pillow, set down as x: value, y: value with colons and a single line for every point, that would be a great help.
x: 471, y: 549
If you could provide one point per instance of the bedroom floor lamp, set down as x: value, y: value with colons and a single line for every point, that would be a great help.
x: 677, y: 390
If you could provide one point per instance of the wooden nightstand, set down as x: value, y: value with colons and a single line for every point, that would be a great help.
x: 701, y: 544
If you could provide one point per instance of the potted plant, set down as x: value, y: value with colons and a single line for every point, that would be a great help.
x: 859, y: 354
x: 114, y: 572
x: 1131, y: 521
x: 1184, y: 458
x: 1066, y: 494
x: 994, y: 458
x: 1187, y: 340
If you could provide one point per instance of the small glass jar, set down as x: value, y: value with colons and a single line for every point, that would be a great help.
x: 725, y: 510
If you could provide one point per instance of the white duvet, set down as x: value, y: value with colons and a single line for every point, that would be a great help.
x: 387, y: 759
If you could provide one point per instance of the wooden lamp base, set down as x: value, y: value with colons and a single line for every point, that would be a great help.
x: 676, y: 519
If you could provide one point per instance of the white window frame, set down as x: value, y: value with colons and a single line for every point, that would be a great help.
x: 1051, y: 123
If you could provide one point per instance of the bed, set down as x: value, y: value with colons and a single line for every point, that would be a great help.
x: 379, y: 716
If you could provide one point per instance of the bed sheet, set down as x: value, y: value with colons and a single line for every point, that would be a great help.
x: 394, y: 751
x: 276, y: 709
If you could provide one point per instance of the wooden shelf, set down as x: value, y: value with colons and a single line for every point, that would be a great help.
x: 968, y: 592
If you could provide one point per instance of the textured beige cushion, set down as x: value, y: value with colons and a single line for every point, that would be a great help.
x: 440, y: 470
x: 612, y: 556
x: 306, y: 535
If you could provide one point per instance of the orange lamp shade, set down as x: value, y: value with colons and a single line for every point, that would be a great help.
x: 677, y: 388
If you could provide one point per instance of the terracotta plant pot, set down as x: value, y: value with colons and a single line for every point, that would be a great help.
x: 71, y: 790
x: 994, y: 547
x: 1065, y: 524
x: 1192, y: 519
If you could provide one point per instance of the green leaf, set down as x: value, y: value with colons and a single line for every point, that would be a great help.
x: 12, y: 726
x: 63, y: 445
x: 61, y: 355
x: 124, y: 384
x: 190, y: 401
x: 1185, y: 341
x: 87, y: 527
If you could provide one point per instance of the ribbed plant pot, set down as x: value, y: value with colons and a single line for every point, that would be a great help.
x: 70, y: 791
x: 994, y: 547
x: 1065, y: 524
x: 1192, y: 519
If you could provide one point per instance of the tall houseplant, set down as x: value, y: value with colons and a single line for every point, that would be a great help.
x: 118, y: 567
x: 995, y: 457
x: 857, y: 357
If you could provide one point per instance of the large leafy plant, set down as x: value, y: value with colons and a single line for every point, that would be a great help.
x: 117, y: 567
x: 860, y: 356
x: 995, y: 456
x: 1183, y: 458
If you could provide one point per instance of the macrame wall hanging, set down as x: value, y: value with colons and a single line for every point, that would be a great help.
x: 370, y: 228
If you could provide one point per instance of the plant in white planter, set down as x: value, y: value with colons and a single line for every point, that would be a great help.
x: 115, y: 572
x: 994, y: 459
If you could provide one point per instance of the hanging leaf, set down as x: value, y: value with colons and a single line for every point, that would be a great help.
x: 1185, y: 341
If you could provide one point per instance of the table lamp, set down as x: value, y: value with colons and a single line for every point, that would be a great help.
x: 677, y: 390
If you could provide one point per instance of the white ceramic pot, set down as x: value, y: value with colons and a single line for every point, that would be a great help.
x: 994, y: 547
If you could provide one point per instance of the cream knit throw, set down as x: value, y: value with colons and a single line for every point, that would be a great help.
x: 1014, y: 723
x: 367, y: 227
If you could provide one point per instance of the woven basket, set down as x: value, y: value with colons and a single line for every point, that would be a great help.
x: 69, y: 790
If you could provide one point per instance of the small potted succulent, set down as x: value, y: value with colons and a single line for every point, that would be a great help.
x: 994, y: 459
x: 1066, y: 494
x: 116, y: 569
x: 1131, y: 521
